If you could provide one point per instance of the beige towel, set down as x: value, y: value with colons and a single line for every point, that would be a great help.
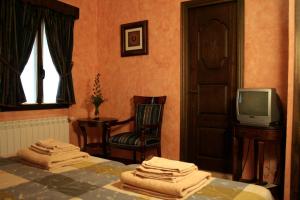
x: 172, y: 179
x: 163, y: 189
x: 51, y: 144
x: 145, y: 172
x: 47, y: 162
x: 169, y: 165
x: 47, y: 151
x: 57, y: 165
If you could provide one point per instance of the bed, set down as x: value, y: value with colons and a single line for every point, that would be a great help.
x: 97, y: 178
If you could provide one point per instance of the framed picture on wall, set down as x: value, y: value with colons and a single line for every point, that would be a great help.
x: 134, y: 38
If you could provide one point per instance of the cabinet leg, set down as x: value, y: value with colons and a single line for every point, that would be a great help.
x: 104, y: 140
x: 255, y: 168
x: 261, y: 162
x: 235, y: 165
x: 83, y: 131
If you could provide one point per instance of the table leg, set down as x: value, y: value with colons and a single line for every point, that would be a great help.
x: 256, y: 153
x: 84, y: 134
x: 261, y: 162
x: 104, y: 139
x: 235, y: 170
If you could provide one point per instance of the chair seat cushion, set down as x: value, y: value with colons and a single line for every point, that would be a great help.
x: 132, y: 139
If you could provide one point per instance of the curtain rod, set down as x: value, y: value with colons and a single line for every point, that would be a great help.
x: 57, y: 6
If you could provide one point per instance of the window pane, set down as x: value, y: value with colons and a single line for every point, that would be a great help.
x: 51, y: 79
x: 29, y: 76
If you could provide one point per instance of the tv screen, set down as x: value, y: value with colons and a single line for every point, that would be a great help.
x: 258, y: 105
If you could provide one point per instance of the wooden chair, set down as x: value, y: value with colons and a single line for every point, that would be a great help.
x: 146, y: 128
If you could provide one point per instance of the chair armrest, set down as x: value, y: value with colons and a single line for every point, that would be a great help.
x: 145, y: 126
x: 121, y: 122
x: 117, y: 123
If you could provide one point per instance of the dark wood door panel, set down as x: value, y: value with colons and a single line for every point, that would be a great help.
x: 213, y: 121
x: 213, y: 46
x: 212, y: 164
x: 211, y: 84
x: 212, y: 99
x: 207, y: 137
x: 214, y: 43
x: 213, y: 38
x: 213, y: 145
x: 193, y: 52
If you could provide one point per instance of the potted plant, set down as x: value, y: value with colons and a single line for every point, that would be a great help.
x: 97, y: 98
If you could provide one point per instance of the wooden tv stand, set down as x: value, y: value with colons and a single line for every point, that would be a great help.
x: 260, y: 135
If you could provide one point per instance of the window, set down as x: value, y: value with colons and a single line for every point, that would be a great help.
x: 40, y: 82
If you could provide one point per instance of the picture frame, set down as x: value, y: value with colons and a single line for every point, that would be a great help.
x: 134, y: 38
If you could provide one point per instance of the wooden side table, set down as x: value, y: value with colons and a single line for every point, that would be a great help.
x: 104, y: 123
x: 259, y: 135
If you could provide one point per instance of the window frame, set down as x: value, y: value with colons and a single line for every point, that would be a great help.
x: 39, y: 105
x: 25, y: 107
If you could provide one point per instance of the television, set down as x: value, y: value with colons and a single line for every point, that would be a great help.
x: 257, y: 107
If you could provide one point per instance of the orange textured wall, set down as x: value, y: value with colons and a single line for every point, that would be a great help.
x: 85, y: 58
x: 155, y: 74
x: 266, y: 45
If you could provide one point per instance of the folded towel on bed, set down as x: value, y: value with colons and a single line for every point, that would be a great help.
x: 163, y: 164
x: 164, y: 189
x: 52, y: 144
x: 47, y: 151
x: 162, y: 174
x: 53, y: 161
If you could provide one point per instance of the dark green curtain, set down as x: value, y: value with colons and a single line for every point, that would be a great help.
x: 29, y: 19
x: 59, y: 32
x: 8, y: 52
x: 19, y: 24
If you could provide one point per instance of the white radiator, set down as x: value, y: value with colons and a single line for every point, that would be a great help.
x: 15, y: 135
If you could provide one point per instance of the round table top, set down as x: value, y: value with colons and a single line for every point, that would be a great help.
x: 100, y: 120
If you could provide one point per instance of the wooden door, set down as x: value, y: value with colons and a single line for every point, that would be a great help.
x: 212, y: 84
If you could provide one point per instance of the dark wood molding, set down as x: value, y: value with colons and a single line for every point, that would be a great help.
x: 197, y: 3
x: 41, y: 71
x: 183, y: 81
x: 240, y: 42
x: 185, y: 6
x: 34, y: 107
x: 295, y: 157
x: 57, y: 6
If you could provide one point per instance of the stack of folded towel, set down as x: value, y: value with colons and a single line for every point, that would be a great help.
x: 165, y: 179
x: 50, y: 154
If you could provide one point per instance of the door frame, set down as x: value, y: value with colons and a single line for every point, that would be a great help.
x: 295, y: 154
x: 185, y: 6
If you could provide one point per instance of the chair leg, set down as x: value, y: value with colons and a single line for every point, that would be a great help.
x: 134, y: 156
x: 158, y: 148
x: 142, y: 155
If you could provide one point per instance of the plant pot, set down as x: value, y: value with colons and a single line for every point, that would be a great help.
x: 96, y: 113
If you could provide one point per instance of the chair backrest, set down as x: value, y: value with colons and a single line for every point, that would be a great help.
x: 149, y: 111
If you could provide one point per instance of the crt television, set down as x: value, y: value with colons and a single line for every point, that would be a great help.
x: 258, y: 107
